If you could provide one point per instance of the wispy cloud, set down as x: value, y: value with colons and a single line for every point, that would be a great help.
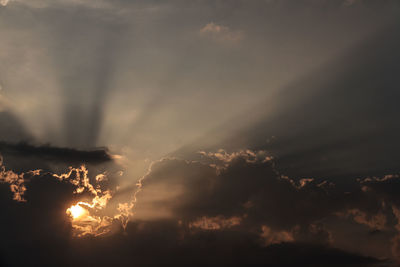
x: 221, y: 33
x: 4, y: 2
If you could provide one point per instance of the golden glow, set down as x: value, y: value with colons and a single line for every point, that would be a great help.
x: 76, y: 211
x: 86, y: 218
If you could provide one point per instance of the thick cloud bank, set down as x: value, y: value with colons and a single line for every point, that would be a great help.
x: 223, y: 208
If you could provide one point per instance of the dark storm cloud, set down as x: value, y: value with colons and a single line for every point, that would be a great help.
x: 278, y: 217
x: 177, y: 246
x: 32, y: 231
x: 56, y: 154
x: 244, y: 192
x: 252, y: 190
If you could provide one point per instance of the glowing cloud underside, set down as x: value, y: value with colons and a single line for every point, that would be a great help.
x: 87, y: 217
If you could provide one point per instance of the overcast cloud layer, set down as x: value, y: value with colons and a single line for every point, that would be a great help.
x: 199, y: 132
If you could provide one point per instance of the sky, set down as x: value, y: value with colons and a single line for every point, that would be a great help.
x: 199, y: 132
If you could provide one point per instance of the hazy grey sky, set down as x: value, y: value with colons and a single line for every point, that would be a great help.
x: 154, y: 75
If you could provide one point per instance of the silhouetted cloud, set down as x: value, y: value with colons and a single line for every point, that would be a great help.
x: 224, y: 209
x: 242, y: 191
x: 56, y: 154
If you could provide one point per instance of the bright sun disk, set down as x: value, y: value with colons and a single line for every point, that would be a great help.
x: 76, y: 211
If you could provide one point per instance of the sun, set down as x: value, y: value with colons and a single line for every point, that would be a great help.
x: 76, y: 211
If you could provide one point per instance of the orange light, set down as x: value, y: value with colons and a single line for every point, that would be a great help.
x: 76, y: 211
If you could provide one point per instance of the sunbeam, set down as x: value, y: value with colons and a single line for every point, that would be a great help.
x: 199, y: 133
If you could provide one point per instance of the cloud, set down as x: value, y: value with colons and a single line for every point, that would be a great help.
x: 56, y: 154
x: 275, y: 237
x: 16, y: 181
x: 223, y: 194
x: 242, y: 191
x: 374, y: 221
x: 221, y: 33
x: 215, y: 223
x: 240, y: 184
x: 221, y: 203
x: 4, y: 2
x: 318, y: 120
x: 103, y: 4
x: 91, y: 194
x: 221, y: 206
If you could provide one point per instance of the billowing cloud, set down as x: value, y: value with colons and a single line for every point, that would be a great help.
x: 242, y: 191
x: 221, y: 33
x: 16, y: 181
x: 238, y: 198
x: 92, y: 194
